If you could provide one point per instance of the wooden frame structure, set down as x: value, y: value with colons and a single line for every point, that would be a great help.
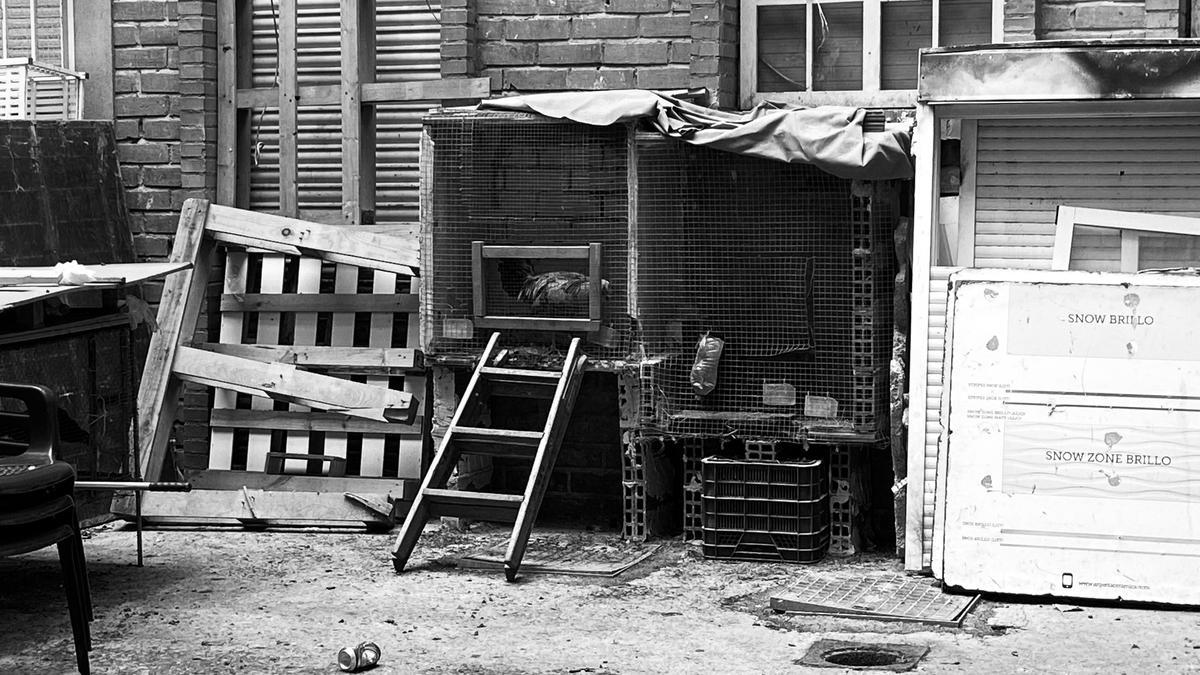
x: 1057, y: 83
x: 871, y: 93
x: 591, y: 253
x: 273, y: 488
x: 1131, y: 226
x: 358, y: 95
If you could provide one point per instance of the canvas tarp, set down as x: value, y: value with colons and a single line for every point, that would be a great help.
x: 829, y: 137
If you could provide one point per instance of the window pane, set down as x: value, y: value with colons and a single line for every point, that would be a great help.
x: 781, y: 34
x: 1158, y: 251
x: 907, y: 26
x: 837, y: 54
x: 964, y: 22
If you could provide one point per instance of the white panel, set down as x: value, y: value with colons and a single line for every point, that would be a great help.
x: 1060, y: 477
x: 936, y: 348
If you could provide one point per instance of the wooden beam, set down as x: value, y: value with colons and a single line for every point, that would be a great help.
x: 331, y: 242
x: 358, y: 359
x: 288, y: 383
x: 289, y: 160
x: 478, y: 296
x: 178, y: 311
x: 393, y: 488
x: 259, y: 98
x: 351, y: 103
x: 537, y: 252
x: 227, y: 61
x: 289, y: 420
x: 1064, y: 232
x: 252, y: 506
x: 404, y: 303
x: 748, y: 54
x: 966, y: 194
x: 537, y: 323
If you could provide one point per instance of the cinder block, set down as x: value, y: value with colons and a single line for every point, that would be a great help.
x: 630, y: 53
x: 604, y: 27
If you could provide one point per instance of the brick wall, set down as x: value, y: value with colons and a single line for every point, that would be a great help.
x: 556, y: 45
x: 1072, y: 19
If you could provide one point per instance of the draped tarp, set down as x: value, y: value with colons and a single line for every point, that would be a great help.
x: 829, y: 137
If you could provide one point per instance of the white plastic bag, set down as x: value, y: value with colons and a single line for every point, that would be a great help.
x: 704, y: 370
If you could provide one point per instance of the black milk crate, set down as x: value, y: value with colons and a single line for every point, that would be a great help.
x: 769, y: 511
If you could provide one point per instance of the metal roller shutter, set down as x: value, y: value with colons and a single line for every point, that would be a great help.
x: 408, y: 43
x: 1026, y: 168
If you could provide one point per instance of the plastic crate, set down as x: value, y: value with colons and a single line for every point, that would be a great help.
x: 771, y: 511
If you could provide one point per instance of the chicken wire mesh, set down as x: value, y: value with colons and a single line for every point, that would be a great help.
x: 504, y: 179
x: 791, y: 267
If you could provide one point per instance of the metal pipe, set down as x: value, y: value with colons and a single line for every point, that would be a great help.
x: 139, y: 486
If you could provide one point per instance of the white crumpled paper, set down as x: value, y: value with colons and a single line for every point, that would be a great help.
x: 73, y: 274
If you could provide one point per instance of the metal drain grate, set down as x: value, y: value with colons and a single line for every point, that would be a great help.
x: 885, y: 597
x: 896, y: 658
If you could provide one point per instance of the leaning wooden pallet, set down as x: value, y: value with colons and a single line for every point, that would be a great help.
x: 294, y: 440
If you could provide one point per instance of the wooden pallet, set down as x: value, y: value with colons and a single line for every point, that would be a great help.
x: 321, y: 429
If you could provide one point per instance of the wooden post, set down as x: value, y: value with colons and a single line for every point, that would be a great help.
x: 288, y: 127
x: 227, y: 63
x: 182, y: 297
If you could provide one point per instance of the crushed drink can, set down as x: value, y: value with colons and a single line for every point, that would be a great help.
x: 358, y: 658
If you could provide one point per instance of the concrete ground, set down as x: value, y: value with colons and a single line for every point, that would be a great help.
x: 217, y: 601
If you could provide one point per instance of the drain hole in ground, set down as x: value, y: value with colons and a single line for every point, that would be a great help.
x: 862, y: 657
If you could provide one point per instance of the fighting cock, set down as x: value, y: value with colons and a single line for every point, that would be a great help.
x: 517, y: 278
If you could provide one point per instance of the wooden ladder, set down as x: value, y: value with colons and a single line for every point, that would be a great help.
x: 463, y: 438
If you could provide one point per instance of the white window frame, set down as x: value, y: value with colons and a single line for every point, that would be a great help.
x: 871, y: 95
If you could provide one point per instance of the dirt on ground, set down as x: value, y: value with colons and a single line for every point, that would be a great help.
x: 236, y: 601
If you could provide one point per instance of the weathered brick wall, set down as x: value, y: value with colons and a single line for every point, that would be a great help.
x: 1091, y: 19
x: 165, y: 104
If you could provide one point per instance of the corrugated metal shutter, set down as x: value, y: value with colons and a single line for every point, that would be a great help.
x: 1027, y: 168
x: 936, y: 349
x: 408, y: 44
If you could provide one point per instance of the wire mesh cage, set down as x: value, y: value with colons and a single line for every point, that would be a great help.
x: 39, y: 91
x: 792, y: 268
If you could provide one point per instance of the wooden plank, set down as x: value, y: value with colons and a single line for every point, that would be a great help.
x: 872, y: 44
x: 254, y: 506
x: 537, y: 323
x: 289, y: 161
x: 236, y: 480
x: 413, y: 450
x: 465, y: 88
x: 351, y: 104
x: 454, y: 88
x: 220, y: 452
x: 288, y: 383
x: 1064, y: 230
x: 106, y: 275
x: 178, y: 310
x: 478, y: 296
x: 325, y: 302
x: 538, y: 252
x: 341, y: 334
x: 271, y: 279
x: 304, y: 334
x: 595, y: 285
x: 331, y: 242
x: 748, y: 54
x: 227, y: 61
x: 289, y: 420
x: 966, y: 195
x: 372, y: 360
x: 373, y: 445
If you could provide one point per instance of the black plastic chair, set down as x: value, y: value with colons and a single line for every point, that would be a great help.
x: 36, y: 504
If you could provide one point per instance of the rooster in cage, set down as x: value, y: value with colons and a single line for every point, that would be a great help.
x: 519, y: 280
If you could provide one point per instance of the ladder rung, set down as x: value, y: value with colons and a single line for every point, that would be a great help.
x: 521, y: 373
x: 479, y: 505
x: 496, y: 442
